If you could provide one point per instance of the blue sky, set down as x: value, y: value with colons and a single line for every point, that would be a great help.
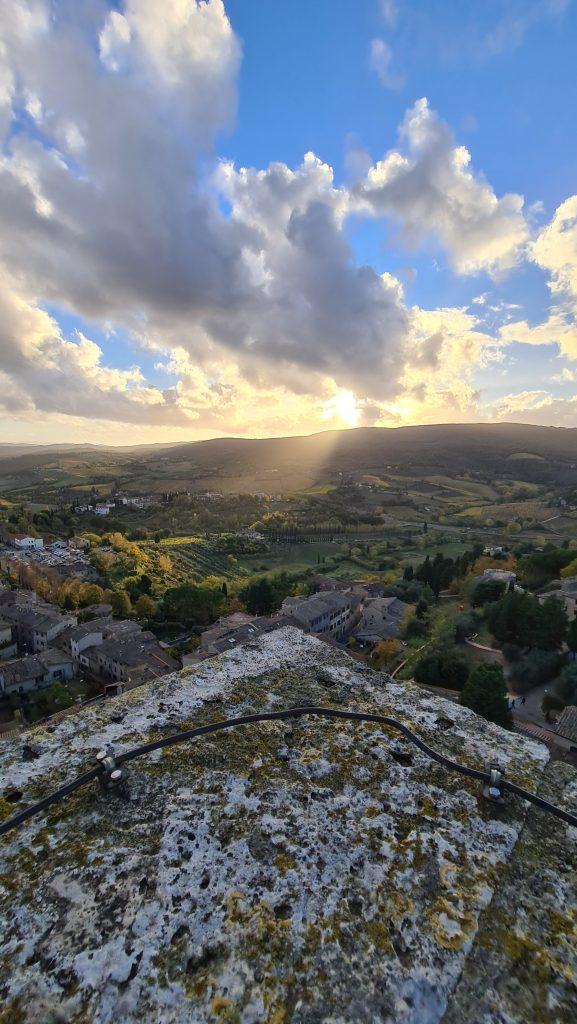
x: 182, y: 298
x: 305, y: 83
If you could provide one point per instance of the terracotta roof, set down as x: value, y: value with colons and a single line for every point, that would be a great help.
x: 567, y: 724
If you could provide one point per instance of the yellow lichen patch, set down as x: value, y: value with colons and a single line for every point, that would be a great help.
x: 222, y: 1008
x: 372, y: 811
x: 378, y: 934
x: 451, y: 924
x: 277, y: 1016
x: 284, y: 862
x: 6, y: 809
x: 534, y: 955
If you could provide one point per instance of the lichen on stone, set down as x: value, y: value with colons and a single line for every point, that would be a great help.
x: 291, y: 871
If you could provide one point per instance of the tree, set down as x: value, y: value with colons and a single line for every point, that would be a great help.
x: 259, y: 597
x: 572, y: 637
x: 540, y: 567
x: 487, y: 590
x: 385, y: 653
x: 145, y: 583
x: 552, y: 624
x: 569, y: 570
x: 443, y: 668
x: 145, y: 607
x: 45, y: 702
x: 537, y: 667
x: 192, y: 605
x: 415, y: 627
x: 486, y: 694
x: 513, y: 619
x: 465, y: 624
x: 551, y: 703
x: 566, y: 687
x: 121, y: 606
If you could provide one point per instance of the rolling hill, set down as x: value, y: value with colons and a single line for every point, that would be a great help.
x: 237, y: 465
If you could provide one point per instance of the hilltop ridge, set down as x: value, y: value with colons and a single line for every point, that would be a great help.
x: 240, y: 465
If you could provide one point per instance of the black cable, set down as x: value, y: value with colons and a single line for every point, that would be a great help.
x: 271, y: 716
x: 59, y: 794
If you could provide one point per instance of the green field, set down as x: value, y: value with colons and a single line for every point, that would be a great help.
x: 192, y: 558
x: 451, y: 549
x: 290, y: 558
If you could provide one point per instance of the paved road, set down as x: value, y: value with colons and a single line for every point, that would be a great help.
x: 530, y: 711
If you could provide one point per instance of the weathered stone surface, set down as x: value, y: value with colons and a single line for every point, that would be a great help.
x: 300, y: 871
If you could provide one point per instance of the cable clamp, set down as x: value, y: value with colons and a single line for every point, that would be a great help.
x: 112, y: 778
x: 493, y: 788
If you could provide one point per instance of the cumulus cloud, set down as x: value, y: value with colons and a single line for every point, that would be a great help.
x: 115, y: 220
x: 312, y: 306
x: 539, y: 407
x: 555, y: 249
x: 43, y: 372
x: 243, y: 281
x: 558, y: 329
x: 428, y: 188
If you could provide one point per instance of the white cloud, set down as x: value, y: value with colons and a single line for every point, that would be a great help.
x: 380, y: 59
x: 260, y: 314
x: 389, y: 12
x: 538, y: 407
x: 555, y: 249
x: 558, y: 329
x: 114, y: 39
x: 518, y: 17
x: 43, y: 372
x: 521, y: 402
x: 430, y: 190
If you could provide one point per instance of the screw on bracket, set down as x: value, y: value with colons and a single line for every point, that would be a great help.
x: 493, y: 790
x: 112, y: 779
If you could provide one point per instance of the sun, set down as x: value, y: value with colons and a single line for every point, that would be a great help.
x: 342, y: 406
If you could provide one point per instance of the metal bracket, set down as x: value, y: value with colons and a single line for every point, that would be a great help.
x: 112, y: 778
x: 493, y: 790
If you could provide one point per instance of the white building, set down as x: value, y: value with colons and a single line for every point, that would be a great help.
x: 102, y: 509
x: 22, y: 540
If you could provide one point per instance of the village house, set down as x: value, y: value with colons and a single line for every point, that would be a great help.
x: 381, y: 619
x: 36, y: 627
x: 24, y: 542
x: 78, y: 638
x: 128, y: 661
x: 232, y: 630
x: 566, y: 592
x: 324, y: 613
x: 566, y: 726
x: 36, y: 672
x: 8, y: 647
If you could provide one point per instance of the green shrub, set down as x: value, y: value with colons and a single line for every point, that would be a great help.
x: 536, y: 668
x: 443, y: 669
x: 485, y: 693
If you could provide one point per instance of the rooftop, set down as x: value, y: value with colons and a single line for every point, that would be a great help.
x: 567, y: 724
x: 303, y: 872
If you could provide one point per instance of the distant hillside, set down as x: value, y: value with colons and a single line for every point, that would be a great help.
x: 519, y: 451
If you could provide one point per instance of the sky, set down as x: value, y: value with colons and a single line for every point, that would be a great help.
x: 258, y: 219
